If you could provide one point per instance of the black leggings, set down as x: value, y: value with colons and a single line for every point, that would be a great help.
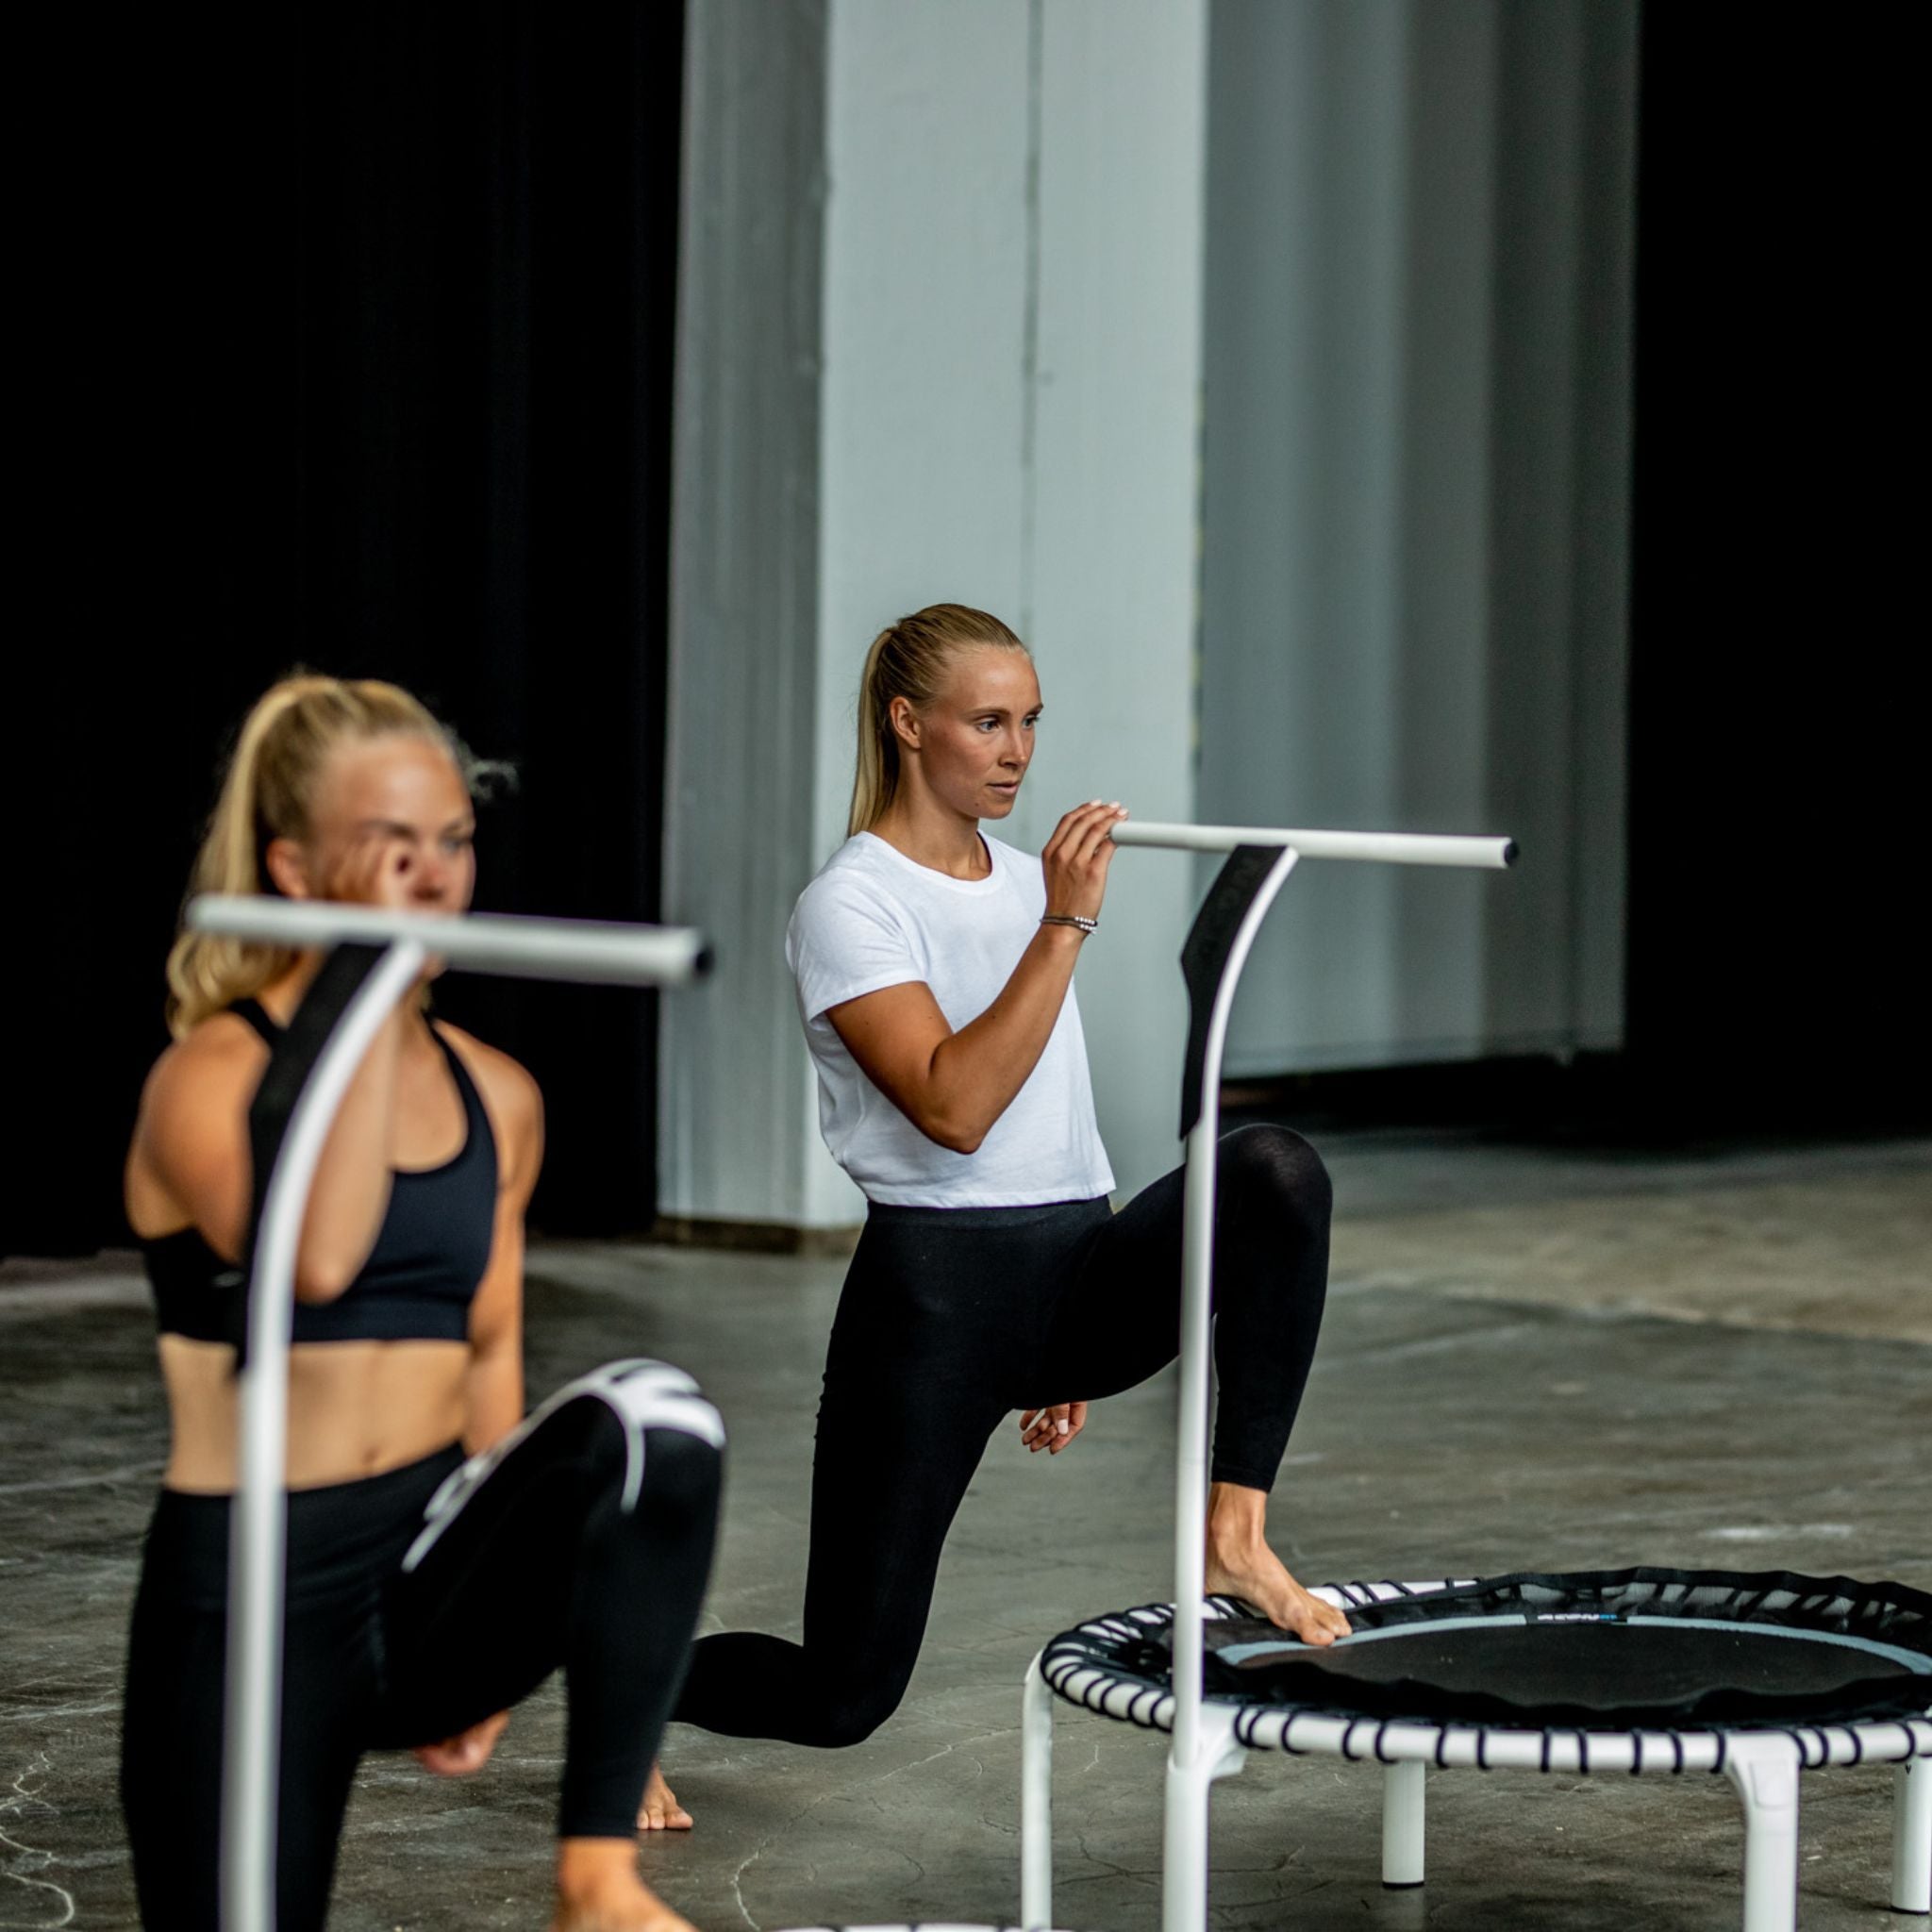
x: 421, y: 1602
x: 950, y: 1319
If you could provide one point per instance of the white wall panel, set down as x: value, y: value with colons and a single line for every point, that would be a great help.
x: 942, y: 337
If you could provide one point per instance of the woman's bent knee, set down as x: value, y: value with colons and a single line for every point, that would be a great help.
x: 852, y: 1720
x: 640, y: 1426
x: 682, y: 1472
x: 1278, y: 1172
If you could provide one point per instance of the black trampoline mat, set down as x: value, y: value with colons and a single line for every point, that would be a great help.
x: 1623, y: 1650
x: 1595, y: 1664
x: 1600, y: 1651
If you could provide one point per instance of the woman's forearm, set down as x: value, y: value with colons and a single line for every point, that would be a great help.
x: 492, y: 1395
x: 977, y: 1072
x: 350, y: 1193
x: 953, y: 1085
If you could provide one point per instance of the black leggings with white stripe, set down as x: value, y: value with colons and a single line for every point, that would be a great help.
x: 421, y: 1602
x: 953, y: 1318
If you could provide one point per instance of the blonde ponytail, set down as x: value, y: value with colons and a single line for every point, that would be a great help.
x: 908, y: 659
x: 266, y: 793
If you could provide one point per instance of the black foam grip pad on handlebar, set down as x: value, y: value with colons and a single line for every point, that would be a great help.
x: 1204, y: 958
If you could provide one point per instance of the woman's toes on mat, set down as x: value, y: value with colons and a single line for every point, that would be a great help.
x: 1258, y: 1576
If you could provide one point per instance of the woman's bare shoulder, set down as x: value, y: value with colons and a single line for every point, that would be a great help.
x: 509, y: 1087
x: 189, y: 1151
x: 490, y: 1063
x: 221, y: 1056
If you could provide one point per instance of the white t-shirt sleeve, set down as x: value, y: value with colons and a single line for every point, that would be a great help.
x: 846, y: 941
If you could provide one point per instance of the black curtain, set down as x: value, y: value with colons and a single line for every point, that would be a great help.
x: 1778, y: 791
x: 358, y: 329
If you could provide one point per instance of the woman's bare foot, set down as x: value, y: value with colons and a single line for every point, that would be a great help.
x: 660, y: 1811
x: 598, y: 1890
x: 1239, y: 1563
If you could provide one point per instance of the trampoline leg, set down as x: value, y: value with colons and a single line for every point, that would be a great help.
x: 1402, y: 1825
x: 1765, y: 1771
x: 1036, y: 1802
x: 1911, y: 1837
x: 1184, y: 1854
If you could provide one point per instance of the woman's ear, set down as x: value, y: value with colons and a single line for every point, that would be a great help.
x: 287, y: 865
x: 905, y: 722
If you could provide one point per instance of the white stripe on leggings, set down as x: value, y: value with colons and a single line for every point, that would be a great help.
x: 641, y: 1394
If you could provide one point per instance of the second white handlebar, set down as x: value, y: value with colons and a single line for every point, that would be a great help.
x: 1388, y: 848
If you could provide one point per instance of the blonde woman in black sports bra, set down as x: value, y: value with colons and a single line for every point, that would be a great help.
x: 445, y: 1553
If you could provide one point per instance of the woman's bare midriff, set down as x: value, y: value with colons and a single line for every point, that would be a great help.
x: 356, y: 1409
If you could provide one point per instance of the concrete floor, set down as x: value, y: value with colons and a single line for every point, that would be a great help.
x: 1534, y: 1358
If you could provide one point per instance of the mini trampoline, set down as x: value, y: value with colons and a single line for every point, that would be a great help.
x: 1758, y: 1676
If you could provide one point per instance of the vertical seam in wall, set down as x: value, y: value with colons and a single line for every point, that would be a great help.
x: 1576, y: 534
x: 1029, y: 325
x: 814, y: 151
x: 1197, y: 643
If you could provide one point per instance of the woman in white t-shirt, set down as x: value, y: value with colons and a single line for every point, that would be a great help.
x: 935, y: 970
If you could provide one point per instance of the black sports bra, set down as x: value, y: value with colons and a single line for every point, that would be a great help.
x: 421, y: 1276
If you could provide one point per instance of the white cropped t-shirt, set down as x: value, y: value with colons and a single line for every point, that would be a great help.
x: 874, y: 918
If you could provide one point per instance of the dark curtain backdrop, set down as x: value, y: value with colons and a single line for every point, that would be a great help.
x: 1777, y: 749
x: 359, y: 339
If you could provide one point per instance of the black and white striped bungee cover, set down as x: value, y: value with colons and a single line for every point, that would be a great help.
x: 1081, y: 1666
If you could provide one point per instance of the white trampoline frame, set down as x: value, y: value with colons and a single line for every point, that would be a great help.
x: 1210, y: 1739
x: 570, y: 950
